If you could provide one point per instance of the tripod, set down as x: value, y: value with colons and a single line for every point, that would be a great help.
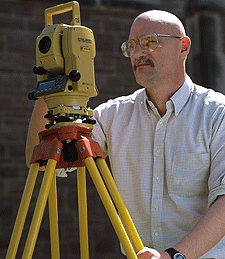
x: 63, y: 147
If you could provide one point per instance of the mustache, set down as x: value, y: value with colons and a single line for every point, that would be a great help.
x: 143, y: 60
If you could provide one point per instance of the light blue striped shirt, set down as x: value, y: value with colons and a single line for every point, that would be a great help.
x: 168, y: 169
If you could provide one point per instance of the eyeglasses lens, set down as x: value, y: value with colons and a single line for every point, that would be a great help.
x: 128, y: 48
x: 149, y: 42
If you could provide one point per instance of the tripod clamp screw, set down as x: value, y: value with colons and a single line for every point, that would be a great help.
x: 82, y: 149
x: 58, y: 150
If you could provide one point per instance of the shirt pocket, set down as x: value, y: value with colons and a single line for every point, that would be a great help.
x: 189, y: 174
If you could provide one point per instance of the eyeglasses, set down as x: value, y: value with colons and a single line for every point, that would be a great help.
x: 149, y: 42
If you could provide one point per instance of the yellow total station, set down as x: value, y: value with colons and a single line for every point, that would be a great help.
x: 65, y: 68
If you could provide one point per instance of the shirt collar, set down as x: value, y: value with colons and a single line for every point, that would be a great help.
x: 179, y: 98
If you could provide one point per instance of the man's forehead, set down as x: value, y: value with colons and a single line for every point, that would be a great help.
x: 144, y: 27
x: 149, y: 23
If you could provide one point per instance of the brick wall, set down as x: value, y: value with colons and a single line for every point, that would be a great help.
x: 20, y: 23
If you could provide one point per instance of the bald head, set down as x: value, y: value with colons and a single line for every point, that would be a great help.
x: 164, y: 64
x: 165, y: 22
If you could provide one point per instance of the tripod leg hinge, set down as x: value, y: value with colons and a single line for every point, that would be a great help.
x: 89, y: 148
x: 46, y: 150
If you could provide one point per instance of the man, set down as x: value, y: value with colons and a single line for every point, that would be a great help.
x: 166, y: 145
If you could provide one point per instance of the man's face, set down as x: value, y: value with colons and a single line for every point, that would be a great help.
x: 152, y: 66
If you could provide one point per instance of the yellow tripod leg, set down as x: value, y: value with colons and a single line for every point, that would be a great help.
x: 82, y: 208
x: 108, y: 204
x: 39, y: 209
x: 53, y: 220
x: 129, y: 225
x: 22, y: 212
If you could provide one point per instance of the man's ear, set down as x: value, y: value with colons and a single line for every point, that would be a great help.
x: 186, y: 45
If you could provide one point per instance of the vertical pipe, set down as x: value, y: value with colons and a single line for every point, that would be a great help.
x: 82, y: 209
x: 53, y: 220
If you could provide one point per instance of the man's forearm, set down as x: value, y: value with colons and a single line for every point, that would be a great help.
x: 37, y: 124
x: 207, y: 233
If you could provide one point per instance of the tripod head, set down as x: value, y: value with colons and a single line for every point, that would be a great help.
x: 65, y: 69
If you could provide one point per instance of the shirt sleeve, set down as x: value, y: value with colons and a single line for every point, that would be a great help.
x: 216, y: 181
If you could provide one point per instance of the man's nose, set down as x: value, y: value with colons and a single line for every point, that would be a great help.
x: 139, y: 51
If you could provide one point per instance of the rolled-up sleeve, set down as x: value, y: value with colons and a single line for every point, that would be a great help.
x: 216, y: 181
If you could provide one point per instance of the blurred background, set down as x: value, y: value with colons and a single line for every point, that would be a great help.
x: 20, y: 23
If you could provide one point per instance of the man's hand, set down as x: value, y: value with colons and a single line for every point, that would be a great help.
x: 147, y: 253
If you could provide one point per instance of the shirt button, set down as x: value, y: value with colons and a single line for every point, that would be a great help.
x: 158, y: 150
x: 160, y: 123
x: 156, y: 234
x: 157, y: 179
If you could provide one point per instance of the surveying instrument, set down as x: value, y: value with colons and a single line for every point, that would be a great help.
x: 65, y: 80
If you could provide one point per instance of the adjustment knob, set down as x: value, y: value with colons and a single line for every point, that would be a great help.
x: 31, y: 96
x: 74, y: 75
x: 39, y: 70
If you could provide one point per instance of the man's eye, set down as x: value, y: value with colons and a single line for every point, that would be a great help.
x: 149, y: 42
